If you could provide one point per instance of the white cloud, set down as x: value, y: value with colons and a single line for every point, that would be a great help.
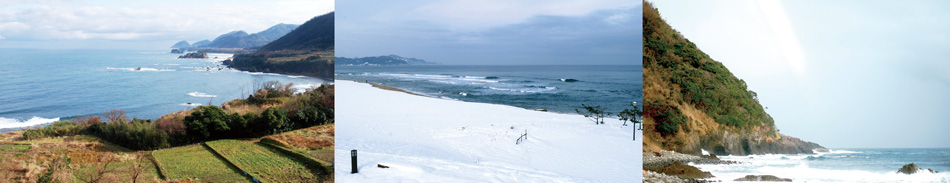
x: 468, y: 15
x: 1, y: 37
x: 155, y: 20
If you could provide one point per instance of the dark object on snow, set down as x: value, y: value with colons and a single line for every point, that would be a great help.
x: 381, y: 166
x: 353, y: 161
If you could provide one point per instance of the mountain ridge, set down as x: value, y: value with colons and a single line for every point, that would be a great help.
x: 307, y: 50
x: 241, y: 39
x: 390, y: 59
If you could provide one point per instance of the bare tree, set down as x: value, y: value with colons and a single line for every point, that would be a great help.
x: 102, y: 168
x: 115, y: 115
x: 138, y: 167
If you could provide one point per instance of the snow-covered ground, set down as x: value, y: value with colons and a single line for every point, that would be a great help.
x: 424, y: 139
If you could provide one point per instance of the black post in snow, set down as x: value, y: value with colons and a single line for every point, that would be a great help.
x: 353, y: 161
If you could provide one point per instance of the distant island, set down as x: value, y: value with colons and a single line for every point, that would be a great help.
x: 307, y: 50
x: 381, y: 61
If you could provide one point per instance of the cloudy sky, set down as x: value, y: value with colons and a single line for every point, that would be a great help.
x: 120, y: 24
x: 492, y: 31
x: 840, y: 73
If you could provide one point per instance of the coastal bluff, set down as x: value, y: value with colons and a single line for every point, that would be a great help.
x: 693, y: 103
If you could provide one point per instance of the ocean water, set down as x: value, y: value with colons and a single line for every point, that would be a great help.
x: 840, y: 165
x: 556, y: 88
x: 42, y: 86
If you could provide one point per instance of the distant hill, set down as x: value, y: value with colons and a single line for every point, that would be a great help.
x: 181, y: 45
x: 694, y: 103
x: 276, y: 31
x: 238, y: 39
x: 201, y: 43
x: 381, y: 60
x: 307, y: 50
x: 241, y: 39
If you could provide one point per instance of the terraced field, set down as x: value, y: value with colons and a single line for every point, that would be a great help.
x: 195, y: 161
x: 262, y: 162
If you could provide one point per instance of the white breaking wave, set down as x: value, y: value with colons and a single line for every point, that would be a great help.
x: 138, y: 69
x: 14, y: 123
x: 199, y: 94
x: 300, y: 88
x: 796, y: 167
x: 191, y: 104
x: 296, y: 76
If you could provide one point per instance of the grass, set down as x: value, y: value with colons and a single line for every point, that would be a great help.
x: 263, y: 163
x: 122, y: 172
x: 312, y: 138
x: 195, y: 161
x: 325, y: 155
x: 14, y: 147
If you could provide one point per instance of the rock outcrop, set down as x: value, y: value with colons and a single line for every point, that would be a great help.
x: 770, y: 178
x: 726, y: 143
x: 195, y: 55
x: 912, y: 169
x: 681, y: 170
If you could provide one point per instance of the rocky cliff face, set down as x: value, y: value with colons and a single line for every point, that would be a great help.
x: 725, y: 143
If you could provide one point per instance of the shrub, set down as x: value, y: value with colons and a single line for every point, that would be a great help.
x: 138, y: 134
x: 58, y: 128
x: 668, y: 118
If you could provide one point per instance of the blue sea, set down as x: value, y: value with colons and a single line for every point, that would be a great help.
x: 556, y: 88
x: 42, y: 86
x: 840, y: 165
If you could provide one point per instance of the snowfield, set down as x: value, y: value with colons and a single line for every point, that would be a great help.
x: 424, y: 139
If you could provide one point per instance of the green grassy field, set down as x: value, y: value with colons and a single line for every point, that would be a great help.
x: 262, y: 162
x: 195, y: 161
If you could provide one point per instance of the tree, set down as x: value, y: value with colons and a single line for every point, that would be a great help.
x: 632, y: 115
x: 115, y: 115
x: 594, y: 113
x: 206, y: 122
x: 276, y: 120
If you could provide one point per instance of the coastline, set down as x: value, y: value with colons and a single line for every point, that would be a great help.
x: 453, y: 141
x: 384, y: 87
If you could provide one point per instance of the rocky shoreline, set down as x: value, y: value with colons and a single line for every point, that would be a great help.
x: 663, y: 158
x: 676, y: 166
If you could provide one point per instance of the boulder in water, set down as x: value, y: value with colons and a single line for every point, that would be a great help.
x: 912, y: 169
x: 770, y: 178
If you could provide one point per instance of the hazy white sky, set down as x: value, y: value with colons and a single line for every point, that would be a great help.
x: 141, y: 24
x: 493, y: 31
x: 841, y: 73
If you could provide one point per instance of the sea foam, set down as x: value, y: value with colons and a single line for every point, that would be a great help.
x: 199, y: 94
x: 14, y: 123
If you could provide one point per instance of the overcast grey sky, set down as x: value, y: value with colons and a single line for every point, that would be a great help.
x: 839, y: 73
x: 476, y: 32
x: 121, y: 24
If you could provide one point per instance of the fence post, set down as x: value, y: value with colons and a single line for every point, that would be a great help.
x: 353, y: 161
